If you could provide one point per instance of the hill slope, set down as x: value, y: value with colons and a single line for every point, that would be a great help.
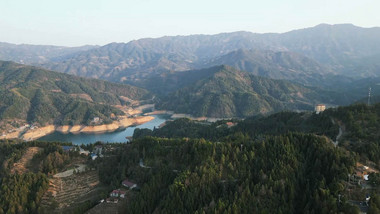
x: 35, y: 95
x: 228, y: 92
x: 275, y: 65
x: 335, y: 45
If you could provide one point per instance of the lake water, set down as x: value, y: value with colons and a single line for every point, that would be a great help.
x: 118, y: 136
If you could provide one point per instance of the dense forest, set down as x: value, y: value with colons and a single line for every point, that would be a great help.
x: 291, y: 173
x: 22, y: 192
x: 256, y: 144
x: 278, y: 123
x: 360, y: 126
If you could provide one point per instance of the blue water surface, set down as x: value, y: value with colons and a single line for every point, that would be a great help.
x: 117, y: 136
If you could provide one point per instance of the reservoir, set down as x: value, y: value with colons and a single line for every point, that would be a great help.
x: 117, y: 136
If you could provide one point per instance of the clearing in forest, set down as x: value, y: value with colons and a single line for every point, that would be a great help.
x: 22, y: 166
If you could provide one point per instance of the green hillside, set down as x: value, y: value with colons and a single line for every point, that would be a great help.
x: 35, y: 95
x: 360, y: 126
x: 290, y: 173
x: 171, y: 81
x: 228, y: 92
x: 282, y: 163
x: 276, y: 65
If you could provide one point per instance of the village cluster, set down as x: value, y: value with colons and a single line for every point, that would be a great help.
x: 121, y: 192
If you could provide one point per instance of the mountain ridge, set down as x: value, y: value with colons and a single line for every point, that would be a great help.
x: 337, y: 47
x: 227, y: 92
x: 38, y: 96
x: 333, y: 46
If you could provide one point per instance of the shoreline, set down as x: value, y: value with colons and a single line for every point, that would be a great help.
x: 159, y: 112
x: 175, y: 116
x: 121, y: 123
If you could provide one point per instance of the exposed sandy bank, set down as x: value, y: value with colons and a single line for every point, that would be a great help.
x: 32, y: 134
x: 159, y: 112
x: 123, y: 122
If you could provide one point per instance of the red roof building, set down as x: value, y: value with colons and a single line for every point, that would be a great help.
x: 129, y: 184
x: 118, y: 193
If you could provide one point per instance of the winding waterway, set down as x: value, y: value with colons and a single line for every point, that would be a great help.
x: 118, y: 136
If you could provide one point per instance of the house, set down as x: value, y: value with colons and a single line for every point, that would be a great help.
x: 118, y: 193
x: 67, y: 148
x: 366, y: 177
x: 98, y: 149
x: 122, y: 194
x: 320, y: 108
x: 112, y: 200
x: 93, y: 156
x: 129, y: 184
x: 82, y: 151
x: 230, y: 124
x: 115, y: 193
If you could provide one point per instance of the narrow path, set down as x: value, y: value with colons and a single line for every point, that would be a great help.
x: 339, y: 134
x: 142, y: 164
x: 67, y: 173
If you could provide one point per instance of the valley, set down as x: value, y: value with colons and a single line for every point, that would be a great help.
x: 186, y: 155
x: 236, y: 122
x: 288, y: 71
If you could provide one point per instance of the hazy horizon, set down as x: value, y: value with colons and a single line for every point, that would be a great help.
x: 183, y: 35
x: 72, y: 23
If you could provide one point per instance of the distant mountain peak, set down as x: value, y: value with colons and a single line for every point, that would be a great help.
x: 325, y: 48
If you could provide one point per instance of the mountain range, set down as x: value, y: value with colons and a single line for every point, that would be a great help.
x: 341, y: 49
x: 37, y: 54
x: 326, y: 60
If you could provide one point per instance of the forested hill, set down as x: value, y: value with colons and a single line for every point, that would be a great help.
x: 276, y: 65
x: 227, y: 92
x: 359, y: 123
x: 40, y: 96
x: 237, y: 173
x: 282, y: 163
x: 252, y: 166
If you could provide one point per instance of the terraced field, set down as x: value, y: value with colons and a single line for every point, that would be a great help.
x: 64, y: 192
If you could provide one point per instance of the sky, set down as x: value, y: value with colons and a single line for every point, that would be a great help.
x: 99, y: 22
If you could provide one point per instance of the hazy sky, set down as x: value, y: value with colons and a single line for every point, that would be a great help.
x: 80, y: 22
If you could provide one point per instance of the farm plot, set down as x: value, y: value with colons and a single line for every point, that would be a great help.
x: 65, y: 192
